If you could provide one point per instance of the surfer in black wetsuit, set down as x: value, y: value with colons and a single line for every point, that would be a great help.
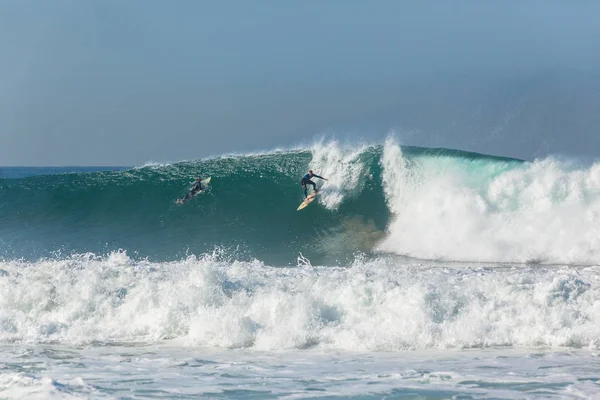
x: 306, y: 181
x: 195, y: 189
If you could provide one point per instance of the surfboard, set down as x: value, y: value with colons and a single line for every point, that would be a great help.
x: 308, y: 200
x: 204, y: 182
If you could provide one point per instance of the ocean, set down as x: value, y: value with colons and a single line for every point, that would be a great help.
x: 418, y: 273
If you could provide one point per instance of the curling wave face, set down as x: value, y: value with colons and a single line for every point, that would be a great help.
x: 424, y: 203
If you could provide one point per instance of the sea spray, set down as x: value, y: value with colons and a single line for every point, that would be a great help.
x: 475, y: 210
x: 377, y: 304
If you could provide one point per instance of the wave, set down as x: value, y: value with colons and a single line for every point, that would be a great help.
x: 215, y: 302
x: 546, y: 211
x: 425, y: 203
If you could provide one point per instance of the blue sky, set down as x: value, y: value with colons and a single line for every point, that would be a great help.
x: 126, y: 82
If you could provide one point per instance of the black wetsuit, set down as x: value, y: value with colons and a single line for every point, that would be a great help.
x: 306, y: 181
x: 195, y: 189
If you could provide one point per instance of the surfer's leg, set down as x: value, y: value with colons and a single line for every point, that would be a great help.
x: 305, y: 191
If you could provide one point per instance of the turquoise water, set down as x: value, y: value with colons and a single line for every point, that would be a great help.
x: 249, y: 209
x: 418, y: 273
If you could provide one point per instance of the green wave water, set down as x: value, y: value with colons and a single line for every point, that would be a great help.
x: 249, y: 210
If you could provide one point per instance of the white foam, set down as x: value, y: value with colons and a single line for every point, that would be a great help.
x: 375, y: 305
x: 26, y: 386
x: 174, y: 372
x: 343, y: 168
x: 481, y: 210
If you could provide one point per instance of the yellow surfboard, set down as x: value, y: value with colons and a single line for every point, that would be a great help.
x: 308, y: 200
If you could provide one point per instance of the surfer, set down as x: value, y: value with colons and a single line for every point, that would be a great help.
x: 306, y: 181
x: 197, y: 187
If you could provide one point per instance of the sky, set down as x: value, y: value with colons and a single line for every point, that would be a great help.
x: 129, y: 82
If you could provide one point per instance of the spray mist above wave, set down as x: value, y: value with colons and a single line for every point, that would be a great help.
x: 345, y: 168
x: 368, y: 305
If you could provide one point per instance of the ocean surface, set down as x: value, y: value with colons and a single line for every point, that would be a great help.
x: 417, y: 273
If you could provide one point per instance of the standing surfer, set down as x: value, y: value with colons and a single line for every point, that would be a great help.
x: 306, y: 180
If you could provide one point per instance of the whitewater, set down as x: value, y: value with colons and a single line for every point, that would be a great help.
x: 418, y: 273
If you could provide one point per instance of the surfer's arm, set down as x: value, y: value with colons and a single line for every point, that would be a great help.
x: 320, y: 177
